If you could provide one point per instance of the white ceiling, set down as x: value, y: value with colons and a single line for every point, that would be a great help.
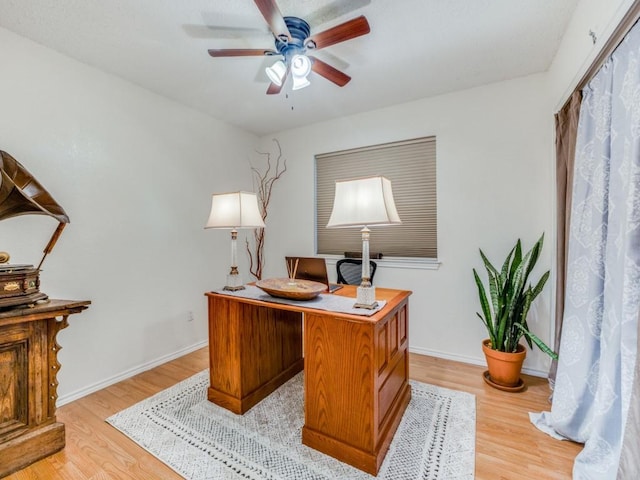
x: 416, y: 49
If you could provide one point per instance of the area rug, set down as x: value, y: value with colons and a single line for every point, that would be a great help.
x: 199, y: 440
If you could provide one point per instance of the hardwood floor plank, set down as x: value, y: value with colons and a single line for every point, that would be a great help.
x: 507, y: 445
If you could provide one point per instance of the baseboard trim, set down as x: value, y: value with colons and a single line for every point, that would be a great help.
x: 83, y: 392
x: 471, y: 360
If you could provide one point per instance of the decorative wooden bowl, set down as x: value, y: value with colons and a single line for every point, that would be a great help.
x: 291, y: 289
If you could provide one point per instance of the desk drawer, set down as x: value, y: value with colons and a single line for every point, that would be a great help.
x: 391, y: 387
x: 391, y: 342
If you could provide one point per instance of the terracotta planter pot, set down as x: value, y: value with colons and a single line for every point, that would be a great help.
x: 504, y: 367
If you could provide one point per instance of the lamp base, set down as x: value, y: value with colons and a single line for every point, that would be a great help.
x: 234, y: 282
x: 366, y: 298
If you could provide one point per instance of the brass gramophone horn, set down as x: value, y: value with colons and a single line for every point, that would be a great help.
x: 22, y: 194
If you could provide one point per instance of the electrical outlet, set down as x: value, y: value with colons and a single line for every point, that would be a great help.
x: 190, y: 317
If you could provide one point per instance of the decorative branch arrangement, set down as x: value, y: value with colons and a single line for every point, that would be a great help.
x: 263, y: 183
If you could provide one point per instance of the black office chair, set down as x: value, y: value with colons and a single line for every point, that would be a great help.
x: 350, y: 270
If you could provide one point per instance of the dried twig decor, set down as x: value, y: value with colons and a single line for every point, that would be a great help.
x: 263, y: 184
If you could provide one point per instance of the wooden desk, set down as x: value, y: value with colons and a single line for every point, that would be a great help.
x: 28, y: 382
x: 356, y: 368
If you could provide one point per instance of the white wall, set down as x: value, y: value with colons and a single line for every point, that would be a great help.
x: 134, y: 172
x: 577, y: 50
x: 494, y: 185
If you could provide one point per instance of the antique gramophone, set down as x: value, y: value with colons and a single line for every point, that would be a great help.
x: 21, y: 194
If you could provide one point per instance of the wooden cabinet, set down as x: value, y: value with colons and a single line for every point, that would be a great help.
x: 356, y: 368
x: 28, y: 382
x: 356, y: 384
x: 254, y: 349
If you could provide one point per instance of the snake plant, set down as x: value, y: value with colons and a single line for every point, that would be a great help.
x: 505, y: 317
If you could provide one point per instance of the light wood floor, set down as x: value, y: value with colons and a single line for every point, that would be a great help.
x: 508, y: 447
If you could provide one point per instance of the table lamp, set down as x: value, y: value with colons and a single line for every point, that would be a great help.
x: 363, y: 203
x: 234, y: 210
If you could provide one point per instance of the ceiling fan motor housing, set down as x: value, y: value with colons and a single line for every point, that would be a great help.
x: 300, y: 31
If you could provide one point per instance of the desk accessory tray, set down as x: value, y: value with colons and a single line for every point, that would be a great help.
x: 291, y: 289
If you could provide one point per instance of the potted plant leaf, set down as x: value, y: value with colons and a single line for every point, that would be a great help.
x: 504, y: 314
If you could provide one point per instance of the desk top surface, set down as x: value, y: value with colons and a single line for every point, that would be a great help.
x: 391, y: 296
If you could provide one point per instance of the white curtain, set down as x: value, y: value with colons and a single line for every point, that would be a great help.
x: 599, y: 335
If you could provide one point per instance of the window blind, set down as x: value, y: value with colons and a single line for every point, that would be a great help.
x: 411, y: 167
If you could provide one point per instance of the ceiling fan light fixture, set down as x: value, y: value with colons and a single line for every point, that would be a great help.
x: 300, y: 68
x: 300, y: 82
x: 300, y: 65
x: 276, y: 72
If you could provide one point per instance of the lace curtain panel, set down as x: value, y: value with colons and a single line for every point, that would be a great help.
x: 598, y: 349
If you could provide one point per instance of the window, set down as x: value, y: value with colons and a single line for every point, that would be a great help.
x: 411, y: 167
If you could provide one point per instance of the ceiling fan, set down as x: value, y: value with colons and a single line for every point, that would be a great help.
x: 292, y: 42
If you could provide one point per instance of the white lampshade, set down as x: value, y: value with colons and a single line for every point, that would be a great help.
x: 234, y: 210
x: 365, y: 201
x: 276, y: 72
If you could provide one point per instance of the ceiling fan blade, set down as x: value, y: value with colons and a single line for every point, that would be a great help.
x: 327, y: 71
x: 274, y: 18
x: 345, y: 31
x: 273, y: 89
x: 240, y: 52
x: 219, y: 31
